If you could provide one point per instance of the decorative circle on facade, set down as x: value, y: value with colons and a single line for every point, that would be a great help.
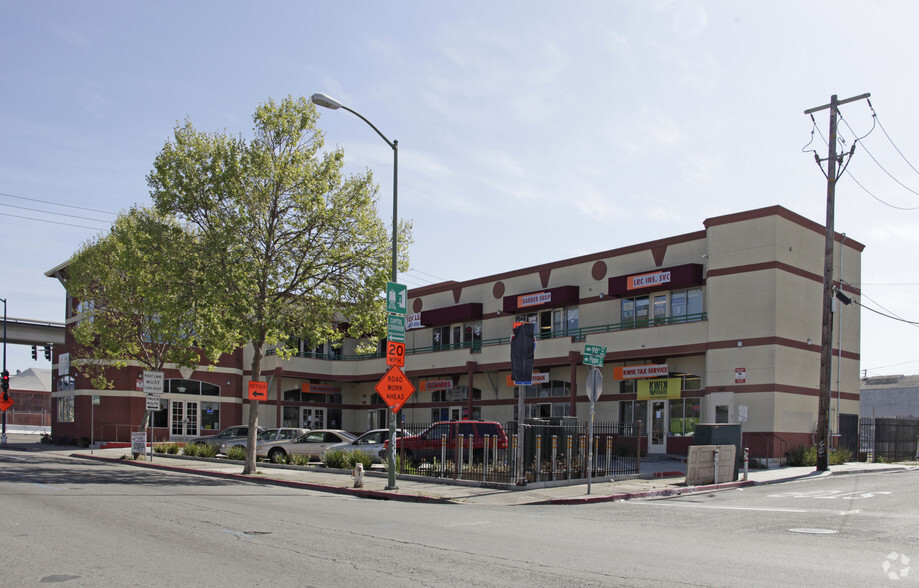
x: 498, y: 290
x: 598, y: 271
x: 417, y: 304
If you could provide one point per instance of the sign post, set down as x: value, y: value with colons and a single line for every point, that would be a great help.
x: 394, y: 388
x: 153, y: 387
x: 92, y: 422
x: 594, y: 389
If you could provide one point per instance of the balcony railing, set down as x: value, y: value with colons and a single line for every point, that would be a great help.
x: 579, y: 334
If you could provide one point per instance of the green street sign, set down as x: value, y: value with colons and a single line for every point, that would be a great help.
x: 396, y: 298
x: 594, y: 354
x: 395, y: 328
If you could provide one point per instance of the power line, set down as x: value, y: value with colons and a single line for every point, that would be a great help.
x: 58, y: 204
x: 55, y: 213
x: 52, y: 222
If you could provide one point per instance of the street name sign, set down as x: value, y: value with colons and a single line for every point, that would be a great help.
x: 258, y: 390
x: 593, y: 355
x: 394, y: 388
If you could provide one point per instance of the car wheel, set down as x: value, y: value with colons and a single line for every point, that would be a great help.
x: 276, y: 455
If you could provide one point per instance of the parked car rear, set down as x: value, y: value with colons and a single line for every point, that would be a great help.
x: 427, y: 445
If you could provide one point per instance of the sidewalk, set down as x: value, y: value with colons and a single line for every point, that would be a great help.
x: 660, y: 477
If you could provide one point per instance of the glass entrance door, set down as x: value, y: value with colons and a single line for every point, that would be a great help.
x: 657, y: 434
x: 183, y: 419
x: 312, y: 418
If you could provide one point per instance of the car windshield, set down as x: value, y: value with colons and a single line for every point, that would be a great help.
x: 267, y: 435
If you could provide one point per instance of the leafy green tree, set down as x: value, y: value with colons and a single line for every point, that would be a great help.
x: 298, y: 246
x: 143, y: 299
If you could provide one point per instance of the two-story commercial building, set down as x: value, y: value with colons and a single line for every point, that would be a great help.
x: 718, y: 325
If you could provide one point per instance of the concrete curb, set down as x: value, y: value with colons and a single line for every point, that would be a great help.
x: 359, y: 492
x: 661, y: 493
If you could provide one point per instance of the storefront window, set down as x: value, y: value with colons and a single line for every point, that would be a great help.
x: 631, y: 411
x: 210, y: 415
x: 684, y: 415
x: 65, y: 409
x: 161, y: 416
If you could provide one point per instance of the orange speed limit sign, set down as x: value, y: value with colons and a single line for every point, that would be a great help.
x: 395, y: 353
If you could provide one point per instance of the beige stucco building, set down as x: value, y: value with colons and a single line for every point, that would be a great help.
x: 718, y: 325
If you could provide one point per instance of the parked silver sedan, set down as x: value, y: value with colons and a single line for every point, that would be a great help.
x: 277, y: 434
x: 370, y: 443
x: 311, y: 444
x: 228, y: 436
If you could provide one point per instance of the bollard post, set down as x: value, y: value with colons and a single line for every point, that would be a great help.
x: 485, y: 449
x: 568, y: 455
x: 513, y: 455
x: 538, y: 456
x: 554, y: 455
x: 443, y: 454
x: 470, y: 460
x: 609, y: 454
x: 458, y: 458
x: 746, y: 463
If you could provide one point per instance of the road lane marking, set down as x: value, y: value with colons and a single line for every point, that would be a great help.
x: 469, y: 524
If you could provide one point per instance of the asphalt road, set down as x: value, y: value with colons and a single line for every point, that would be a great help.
x: 81, y: 523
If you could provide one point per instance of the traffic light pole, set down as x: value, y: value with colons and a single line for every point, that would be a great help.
x: 5, y: 375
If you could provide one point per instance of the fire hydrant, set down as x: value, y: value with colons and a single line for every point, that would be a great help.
x: 358, y: 475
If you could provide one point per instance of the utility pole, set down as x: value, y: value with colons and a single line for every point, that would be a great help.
x: 826, y: 338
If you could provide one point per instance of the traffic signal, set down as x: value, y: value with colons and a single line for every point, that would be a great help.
x: 48, y: 351
x: 34, y: 352
x: 523, y: 347
x: 5, y: 381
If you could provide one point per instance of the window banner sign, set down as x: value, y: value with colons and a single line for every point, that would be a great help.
x: 534, y: 299
x: 640, y: 371
x: 432, y: 385
x: 648, y: 280
x: 662, y: 389
x: 319, y: 389
x: 538, y: 378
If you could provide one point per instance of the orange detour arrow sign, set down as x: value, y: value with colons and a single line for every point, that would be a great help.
x: 258, y: 390
x: 5, y: 404
x: 394, y: 388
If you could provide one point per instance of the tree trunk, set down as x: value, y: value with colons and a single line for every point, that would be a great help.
x: 249, y: 468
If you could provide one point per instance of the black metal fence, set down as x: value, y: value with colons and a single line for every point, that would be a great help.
x: 888, y: 439
x: 553, y: 450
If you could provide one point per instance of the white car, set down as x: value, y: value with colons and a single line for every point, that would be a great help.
x: 311, y: 444
x: 370, y: 443
x: 277, y: 434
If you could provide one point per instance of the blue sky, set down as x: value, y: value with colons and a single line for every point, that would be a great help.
x: 528, y: 131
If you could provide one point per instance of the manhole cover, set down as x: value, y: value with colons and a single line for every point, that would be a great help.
x: 814, y: 531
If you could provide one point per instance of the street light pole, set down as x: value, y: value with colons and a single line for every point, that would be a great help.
x: 327, y: 101
x: 5, y: 375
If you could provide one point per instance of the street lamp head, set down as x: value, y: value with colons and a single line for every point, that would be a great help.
x: 326, y: 101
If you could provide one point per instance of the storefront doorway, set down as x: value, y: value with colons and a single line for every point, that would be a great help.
x: 657, y: 431
x: 312, y: 418
x: 183, y: 419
